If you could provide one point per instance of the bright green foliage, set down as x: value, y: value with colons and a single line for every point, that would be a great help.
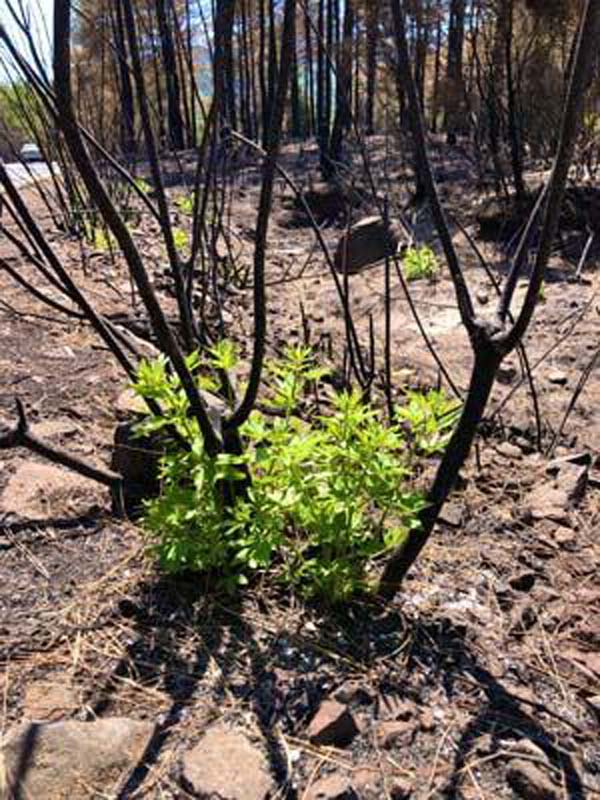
x: 430, y: 418
x: 143, y: 185
x: 326, y: 497
x: 419, y: 263
x: 180, y: 238
x: 100, y: 239
x: 186, y: 204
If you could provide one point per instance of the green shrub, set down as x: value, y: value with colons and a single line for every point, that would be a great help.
x: 419, y: 263
x: 326, y: 498
x: 430, y: 418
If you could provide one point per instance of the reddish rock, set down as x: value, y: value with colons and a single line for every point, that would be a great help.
x: 226, y: 765
x: 390, y: 734
x: 333, y: 724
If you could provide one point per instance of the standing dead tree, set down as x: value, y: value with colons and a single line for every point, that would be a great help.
x: 494, y: 338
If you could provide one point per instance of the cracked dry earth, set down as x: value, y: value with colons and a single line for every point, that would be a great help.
x: 481, y: 680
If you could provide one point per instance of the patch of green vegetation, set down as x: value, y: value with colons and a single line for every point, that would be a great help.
x: 420, y: 263
x: 326, y: 495
x: 430, y: 418
x: 180, y: 238
x: 186, y: 204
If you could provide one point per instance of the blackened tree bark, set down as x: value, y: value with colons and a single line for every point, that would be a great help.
x: 343, y: 109
x: 127, y: 119
x: 491, y: 340
x: 224, y: 78
x: 175, y: 125
x: 372, y: 30
x: 454, y: 74
x: 514, y: 133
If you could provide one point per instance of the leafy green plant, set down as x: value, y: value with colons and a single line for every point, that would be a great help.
x: 143, y: 185
x: 419, y: 263
x: 180, y: 238
x: 430, y: 418
x: 186, y: 204
x: 100, y: 239
x: 326, y: 497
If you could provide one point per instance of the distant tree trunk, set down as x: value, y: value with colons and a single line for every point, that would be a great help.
x: 435, y: 106
x: 295, y: 89
x: 309, y: 77
x: 322, y: 111
x: 224, y: 80
x: 262, y: 64
x: 193, y: 132
x: 372, y: 21
x: 455, y: 88
x: 343, y: 110
x: 175, y: 120
x: 421, y: 43
x: 514, y: 133
x: 127, y: 117
x: 272, y: 69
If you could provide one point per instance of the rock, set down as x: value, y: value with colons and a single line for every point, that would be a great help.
x: 548, y: 502
x: 46, y: 701
x: 394, y: 733
x: 353, y: 692
x: 225, y: 765
x: 365, y: 243
x: 573, y: 480
x: 74, y: 760
x: 128, y: 403
x: 364, y: 780
x: 594, y: 702
x: 327, y: 201
x: 137, y: 459
x: 451, y: 515
x: 400, y: 789
x: 565, y: 538
x: 509, y: 450
x: 580, y: 459
x: 558, y: 377
x: 333, y: 724
x: 506, y: 374
x: 523, y: 582
x: 36, y: 490
x: 530, y: 782
x: 331, y: 787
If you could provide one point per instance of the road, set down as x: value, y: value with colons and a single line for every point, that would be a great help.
x: 22, y: 174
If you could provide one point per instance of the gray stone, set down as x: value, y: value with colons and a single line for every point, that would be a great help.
x: 225, y: 765
x: 71, y: 760
x: 530, y: 782
x: 548, y: 502
x: 451, y: 515
x: 365, y: 243
x: 333, y: 724
x: 509, y: 450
